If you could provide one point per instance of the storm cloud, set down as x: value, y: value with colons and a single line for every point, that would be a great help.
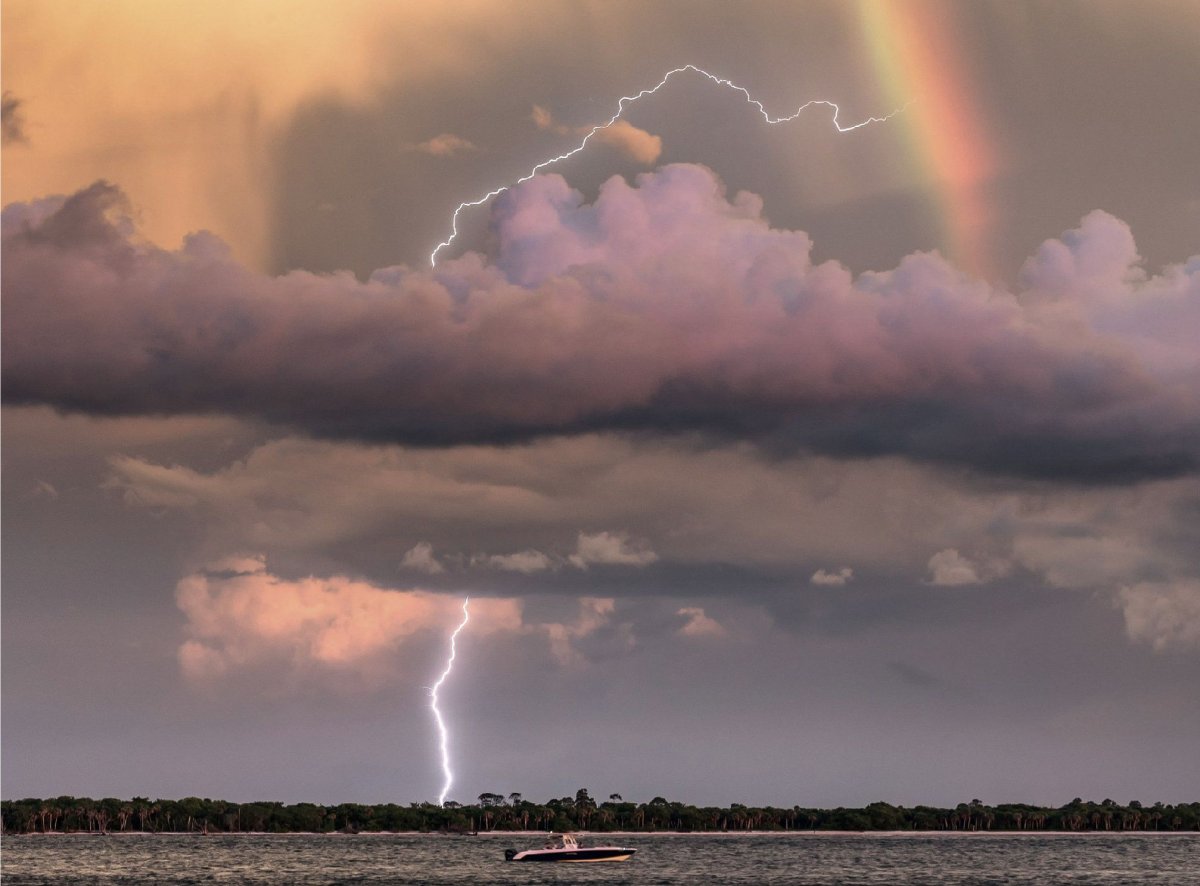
x: 664, y: 306
x: 808, y: 532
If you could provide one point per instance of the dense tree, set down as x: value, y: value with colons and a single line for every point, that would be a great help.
x: 197, y: 815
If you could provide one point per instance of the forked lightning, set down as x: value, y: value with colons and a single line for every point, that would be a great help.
x: 628, y: 100
x: 437, y: 714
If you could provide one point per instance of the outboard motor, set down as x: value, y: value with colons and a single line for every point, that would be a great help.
x: 509, y: 854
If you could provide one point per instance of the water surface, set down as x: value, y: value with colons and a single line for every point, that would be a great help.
x: 800, y: 858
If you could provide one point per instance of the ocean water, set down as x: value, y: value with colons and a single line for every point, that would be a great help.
x: 801, y: 858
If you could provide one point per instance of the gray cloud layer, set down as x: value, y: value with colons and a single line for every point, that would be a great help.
x: 808, y: 532
x: 662, y: 307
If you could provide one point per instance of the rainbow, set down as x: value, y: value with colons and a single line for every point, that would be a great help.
x: 916, y: 58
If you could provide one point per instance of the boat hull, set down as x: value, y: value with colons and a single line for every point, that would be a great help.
x: 576, y: 856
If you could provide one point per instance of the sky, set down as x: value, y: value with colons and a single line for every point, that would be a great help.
x: 783, y: 464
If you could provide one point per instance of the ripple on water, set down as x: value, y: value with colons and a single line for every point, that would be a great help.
x: 938, y: 859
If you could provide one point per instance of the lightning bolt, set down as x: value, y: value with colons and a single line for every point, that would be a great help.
x: 437, y: 714
x: 630, y: 99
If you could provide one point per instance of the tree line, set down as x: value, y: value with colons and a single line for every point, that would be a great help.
x: 498, y: 812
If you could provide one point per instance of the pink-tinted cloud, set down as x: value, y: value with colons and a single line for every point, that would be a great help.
x: 835, y: 578
x: 623, y: 136
x: 242, y: 618
x: 636, y: 143
x: 663, y: 306
x: 445, y: 145
x: 543, y: 119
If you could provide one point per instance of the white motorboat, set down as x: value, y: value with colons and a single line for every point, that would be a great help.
x: 565, y: 847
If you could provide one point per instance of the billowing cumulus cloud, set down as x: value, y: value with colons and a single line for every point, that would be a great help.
x: 951, y: 568
x: 421, y: 558
x: 699, y: 623
x: 834, y: 578
x: 1164, y: 614
x: 662, y: 307
x: 526, y: 562
x: 611, y: 549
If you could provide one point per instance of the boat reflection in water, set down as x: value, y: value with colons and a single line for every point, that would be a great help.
x: 565, y: 847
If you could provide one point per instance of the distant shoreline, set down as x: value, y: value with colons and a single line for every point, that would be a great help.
x: 496, y: 813
x: 447, y: 835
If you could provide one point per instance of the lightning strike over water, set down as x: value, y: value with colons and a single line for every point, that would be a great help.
x: 437, y: 714
x: 630, y: 99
